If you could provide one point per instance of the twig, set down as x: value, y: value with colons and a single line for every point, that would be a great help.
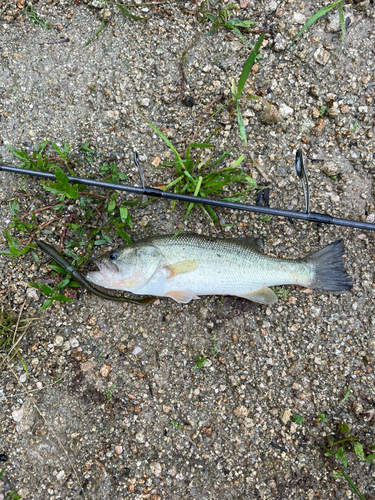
x: 259, y: 168
x: 183, y: 55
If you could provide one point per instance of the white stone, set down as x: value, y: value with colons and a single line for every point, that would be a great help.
x: 59, y: 340
x: 111, y: 116
x: 285, y: 110
x: 298, y: 18
x: 137, y: 350
x: 17, y: 415
x: 155, y: 468
x: 321, y: 56
x: 270, y: 7
x: 145, y: 102
x: 280, y: 43
x: 74, y: 342
x: 140, y: 437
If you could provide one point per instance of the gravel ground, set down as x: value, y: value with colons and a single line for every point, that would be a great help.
x: 130, y: 417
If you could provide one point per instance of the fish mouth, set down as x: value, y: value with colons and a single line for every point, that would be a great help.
x: 106, y: 266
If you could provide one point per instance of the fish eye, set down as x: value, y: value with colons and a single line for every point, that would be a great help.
x: 114, y: 255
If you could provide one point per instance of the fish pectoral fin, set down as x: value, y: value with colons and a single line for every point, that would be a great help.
x: 182, y: 296
x: 185, y: 266
x: 263, y: 295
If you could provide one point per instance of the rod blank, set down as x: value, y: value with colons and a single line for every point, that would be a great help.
x: 309, y: 217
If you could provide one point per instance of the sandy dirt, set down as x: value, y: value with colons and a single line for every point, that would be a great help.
x: 112, y: 405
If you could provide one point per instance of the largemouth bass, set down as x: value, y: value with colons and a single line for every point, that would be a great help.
x: 189, y: 265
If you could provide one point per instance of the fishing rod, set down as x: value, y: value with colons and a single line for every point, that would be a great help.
x: 307, y: 215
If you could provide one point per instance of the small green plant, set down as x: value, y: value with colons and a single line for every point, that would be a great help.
x: 176, y: 424
x: 198, y: 176
x: 355, y: 126
x: 36, y: 19
x: 10, y: 495
x: 200, y: 360
x: 321, y: 418
x: 54, y: 293
x: 282, y: 292
x: 337, y: 447
x: 347, y: 394
x: 322, y: 111
x: 322, y: 12
x: 108, y: 393
x: 85, y: 148
x: 83, y: 219
x: 264, y: 218
x: 297, y: 419
x: 222, y: 19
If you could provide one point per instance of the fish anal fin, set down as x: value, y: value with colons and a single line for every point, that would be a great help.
x: 182, y: 296
x: 263, y: 295
x: 185, y: 266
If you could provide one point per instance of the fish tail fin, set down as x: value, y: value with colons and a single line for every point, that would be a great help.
x: 329, y: 271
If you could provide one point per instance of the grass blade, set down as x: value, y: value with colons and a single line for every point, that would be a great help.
x: 343, y: 28
x: 314, y: 18
x: 240, y: 123
x: 169, y: 144
x: 128, y: 14
x: 197, y: 189
x: 99, y: 30
x: 353, y: 486
x: 248, y: 65
x: 221, y: 158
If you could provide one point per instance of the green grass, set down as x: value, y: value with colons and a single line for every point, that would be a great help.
x: 36, y: 18
x: 322, y: 12
x: 11, y: 331
x: 101, y: 27
x: 82, y: 219
x: 238, y: 89
x: 223, y: 19
x: 336, y: 447
x: 282, y: 292
x: 197, y: 174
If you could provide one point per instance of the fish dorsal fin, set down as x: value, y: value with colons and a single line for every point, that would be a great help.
x: 185, y: 266
x: 253, y: 243
x: 263, y: 295
x: 182, y: 296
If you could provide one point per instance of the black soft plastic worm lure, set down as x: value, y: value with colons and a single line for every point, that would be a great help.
x: 60, y: 259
